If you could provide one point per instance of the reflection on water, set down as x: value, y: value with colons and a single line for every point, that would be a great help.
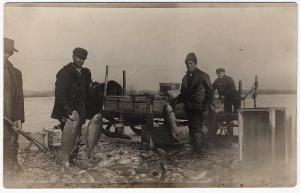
x: 38, y: 110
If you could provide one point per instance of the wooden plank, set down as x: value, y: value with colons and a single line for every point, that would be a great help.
x: 240, y: 134
x: 272, y: 125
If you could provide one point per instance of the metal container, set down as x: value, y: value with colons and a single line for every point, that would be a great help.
x: 53, y: 137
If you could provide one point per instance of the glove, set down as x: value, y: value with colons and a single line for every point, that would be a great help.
x: 17, y: 125
x: 172, y: 102
x: 68, y: 110
x: 211, y: 107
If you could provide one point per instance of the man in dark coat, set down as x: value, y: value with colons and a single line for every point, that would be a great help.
x: 13, y: 110
x: 197, y: 95
x: 226, y: 89
x: 71, y: 91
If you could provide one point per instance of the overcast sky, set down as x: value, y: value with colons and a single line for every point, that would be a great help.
x: 151, y: 43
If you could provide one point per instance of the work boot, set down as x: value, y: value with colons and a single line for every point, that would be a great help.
x: 197, y: 140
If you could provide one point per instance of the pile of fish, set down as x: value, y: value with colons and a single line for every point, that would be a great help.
x: 125, y: 162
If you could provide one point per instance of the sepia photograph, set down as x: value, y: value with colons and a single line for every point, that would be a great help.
x: 149, y: 95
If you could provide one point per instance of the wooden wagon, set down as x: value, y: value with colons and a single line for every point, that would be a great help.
x: 144, y: 115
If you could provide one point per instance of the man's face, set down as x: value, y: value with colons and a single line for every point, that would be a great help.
x: 191, y: 65
x: 220, y: 74
x: 78, y: 61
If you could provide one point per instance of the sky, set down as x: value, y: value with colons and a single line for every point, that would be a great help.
x: 151, y: 43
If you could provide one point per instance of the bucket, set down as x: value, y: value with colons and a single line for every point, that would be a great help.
x: 53, y: 137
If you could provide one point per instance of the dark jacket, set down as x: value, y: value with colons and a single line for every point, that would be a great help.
x: 196, y: 91
x: 225, y: 87
x: 15, y: 109
x: 71, y: 89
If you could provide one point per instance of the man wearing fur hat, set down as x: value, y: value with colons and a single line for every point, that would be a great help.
x: 71, y: 93
x: 14, y: 111
x: 197, y: 95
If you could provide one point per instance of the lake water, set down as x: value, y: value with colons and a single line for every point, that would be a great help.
x: 38, y: 110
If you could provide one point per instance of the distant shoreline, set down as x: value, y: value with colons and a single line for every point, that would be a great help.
x: 33, y: 94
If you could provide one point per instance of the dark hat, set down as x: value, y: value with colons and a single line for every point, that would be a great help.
x: 80, y: 52
x: 9, y: 45
x: 191, y: 56
x: 220, y: 70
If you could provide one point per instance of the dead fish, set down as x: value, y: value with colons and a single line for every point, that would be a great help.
x: 93, y: 133
x: 69, y: 137
x: 170, y: 120
x: 199, y: 176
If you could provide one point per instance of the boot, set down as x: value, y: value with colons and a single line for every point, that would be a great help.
x: 197, y: 142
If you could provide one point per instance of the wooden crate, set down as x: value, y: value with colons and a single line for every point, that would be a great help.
x: 126, y: 104
x: 139, y: 104
x: 159, y: 103
x: 111, y: 103
x: 262, y: 135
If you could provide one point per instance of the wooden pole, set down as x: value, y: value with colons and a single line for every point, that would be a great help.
x: 105, y: 85
x: 255, y: 90
x: 124, y: 82
x: 106, y: 80
x: 240, y: 93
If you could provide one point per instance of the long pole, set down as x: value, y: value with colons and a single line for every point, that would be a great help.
x: 106, y: 80
x: 240, y: 93
x: 255, y: 90
x: 124, y: 82
x: 105, y: 85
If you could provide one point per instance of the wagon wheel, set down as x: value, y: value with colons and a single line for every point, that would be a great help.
x: 136, y: 129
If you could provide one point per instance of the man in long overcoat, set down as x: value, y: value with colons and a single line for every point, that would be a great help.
x: 71, y: 91
x: 13, y: 110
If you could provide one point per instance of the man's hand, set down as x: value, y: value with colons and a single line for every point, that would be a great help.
x: 68, y: 111
x: 211, y: 107
x: 17, y: 125
x: 172, y: 102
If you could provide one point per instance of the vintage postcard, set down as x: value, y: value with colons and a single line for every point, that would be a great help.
x: 149, y: 95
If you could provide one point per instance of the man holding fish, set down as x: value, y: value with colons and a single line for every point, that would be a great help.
x: 70, y: 106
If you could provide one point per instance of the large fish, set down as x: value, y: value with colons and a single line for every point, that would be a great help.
x: 93, y: 133
x: 170, y: 121
x: 69, y: 137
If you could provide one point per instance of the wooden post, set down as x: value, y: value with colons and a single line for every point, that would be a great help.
x: 272, y: 125
x: 149, y: 123
x: 106, y: 80
x: 240, y: 133
x: 105, y: 85
x: 124, y: 82
x: 255, y: 90
x: 240, y: 93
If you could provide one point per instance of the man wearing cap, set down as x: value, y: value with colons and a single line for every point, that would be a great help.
x: 226, y: 89
x: 197, y: 95
x: 13, y: 111
x: 71, y: 91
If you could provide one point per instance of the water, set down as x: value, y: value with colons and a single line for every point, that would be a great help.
x: 38, y: 110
